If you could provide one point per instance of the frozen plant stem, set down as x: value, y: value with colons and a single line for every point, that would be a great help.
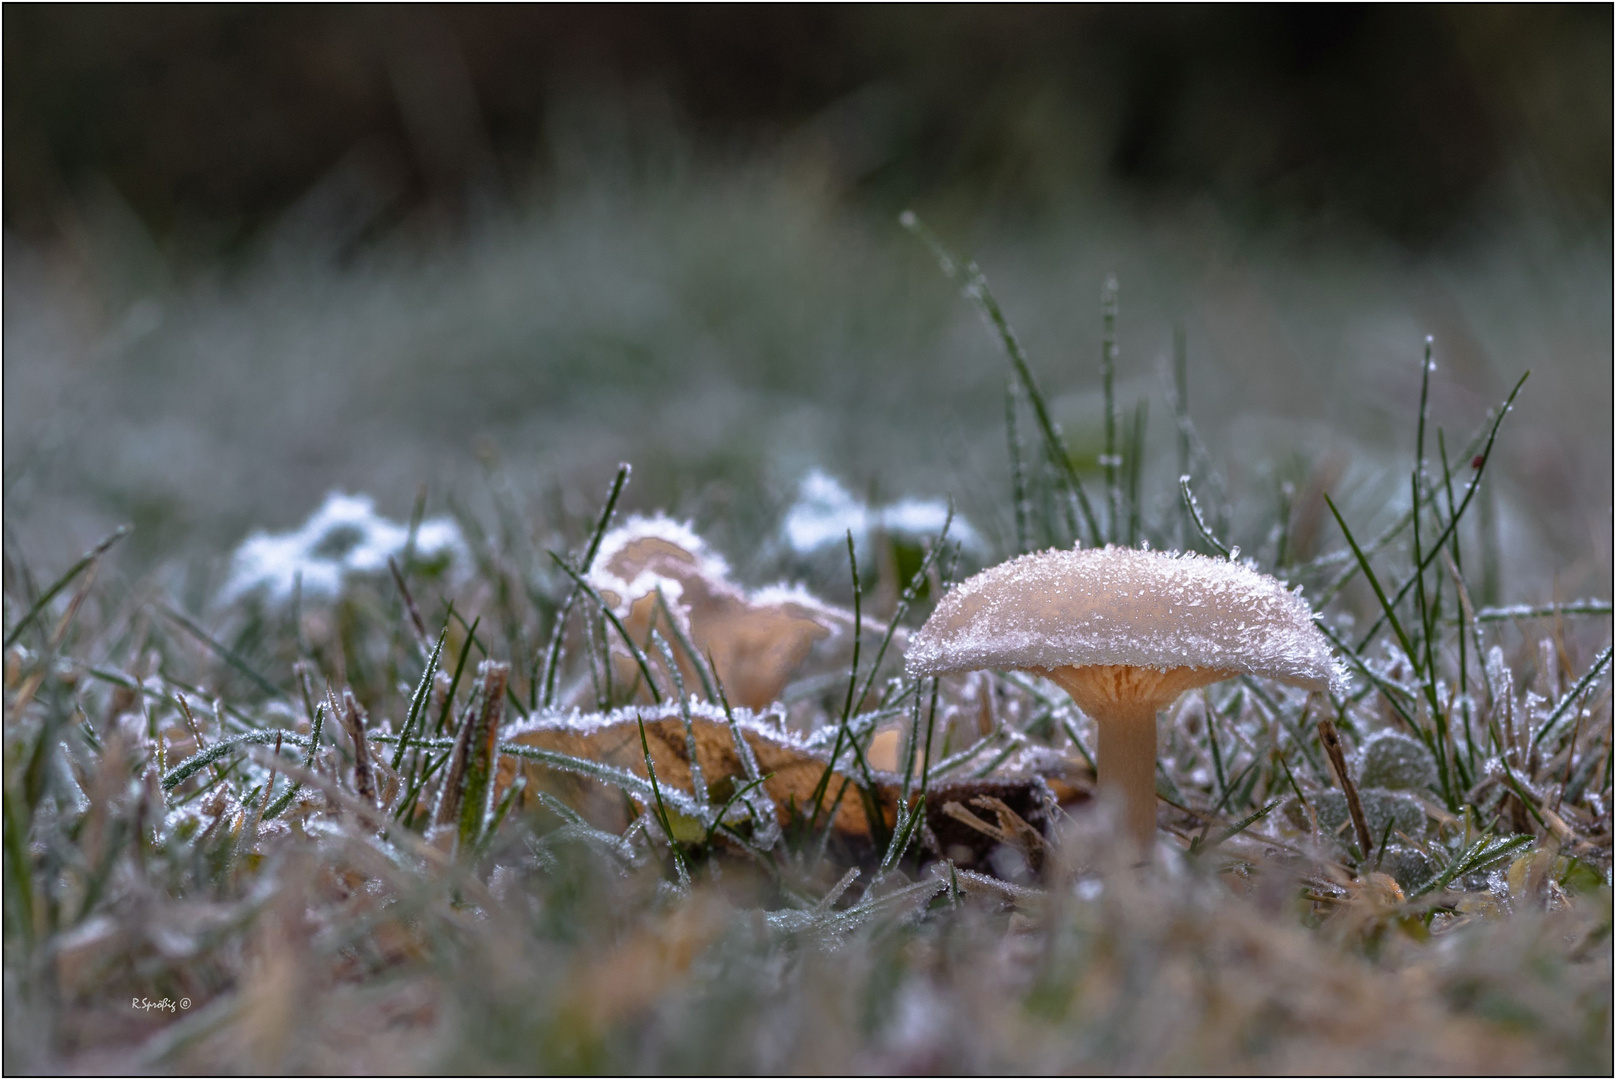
x: 1108, y: 375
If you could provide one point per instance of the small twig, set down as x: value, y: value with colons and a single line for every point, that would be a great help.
x: 1338, y: 759
x: 354, y: 724
x: 1022, y: 834
x: 409, y: 601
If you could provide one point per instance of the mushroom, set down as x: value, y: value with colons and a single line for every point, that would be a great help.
x: 1125, y: 632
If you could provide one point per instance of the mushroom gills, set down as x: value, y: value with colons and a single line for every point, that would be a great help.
x: 1123, y: 700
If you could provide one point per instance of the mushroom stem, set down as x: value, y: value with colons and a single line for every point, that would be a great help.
x: 1123, y: 701
x: 1128, y: 768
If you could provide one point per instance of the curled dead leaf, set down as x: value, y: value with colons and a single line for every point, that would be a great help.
x: 793, y: 769
x: 755, y: 640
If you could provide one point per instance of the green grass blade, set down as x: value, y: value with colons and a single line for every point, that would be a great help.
x: 976, y: 289
x: 423, y: 692
x: 1108, y: 378
x: 1018, y: 478
x: 62, y: 582
x: 1478, y: 856
x: 552, y: 654
x: 1464, y: 503
x: 482, y: 756
x: 662, y: 810
x: 823, y: 786
x: 460, y: 669
x: 698, y: 782
x: 228, y: 655
x: 202, y: 759
x: 1134, y: 468
x: 617, y: 624
x: 1600, y: 663
x: 1374, y: 583
x: 1241, y: 826
x: 681, y: 639
x: 1194, y: 509
x: 906, y: 600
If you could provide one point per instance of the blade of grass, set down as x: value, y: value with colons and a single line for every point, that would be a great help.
x: 354, y: 723
x: 617, y: 624
x: 1241, y: 826
x: 1071, y: 733
x: 906, y: 600
x: 1600, y: 663
x: 698, y: 782
x: 558, y: 632
x: 1018, y: 479
x: 1331, y: 742
x: 1108, y: 377
x: 661, y: 810
x: 62, y: 582
x: 423, y: 691
x: 1478, y: 856
x: 738, y: 794
x: 1389, y: 614
x: 683, y: 641
x: 225, y: 654
x: 1464, y: 503
x: 460, y: 668
x: 1180, y: 405
x: 409, y: 601
x: 1545, y: 611
x: 190, y: 766
x: 506, y: 801
x: 482, y: 755
x: 1194, y: 509
x: 1134, y: 467
x: 976, y: 289
x: 822, y: 787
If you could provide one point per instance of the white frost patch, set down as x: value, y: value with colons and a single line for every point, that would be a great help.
x: 660, y: 526
x: 344, y: 536
x: 770, y: 724
x: 825, y: 512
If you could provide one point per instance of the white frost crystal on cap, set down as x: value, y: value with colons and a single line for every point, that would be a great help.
x: 1121, y: 606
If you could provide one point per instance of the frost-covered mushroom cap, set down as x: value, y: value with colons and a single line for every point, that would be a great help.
x: 1121, y: 606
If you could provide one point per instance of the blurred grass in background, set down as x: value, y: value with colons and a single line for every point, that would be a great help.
x: 253, y: 254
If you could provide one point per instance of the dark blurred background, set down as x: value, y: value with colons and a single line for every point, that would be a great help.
x: 253, y: 253
x: 210, y: 120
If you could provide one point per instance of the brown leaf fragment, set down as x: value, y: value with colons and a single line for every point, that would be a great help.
x: 353, y: 722
x: 793, y: 770
x: 957, y: 834
x: 615, y: 741
x: 755, y: 641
